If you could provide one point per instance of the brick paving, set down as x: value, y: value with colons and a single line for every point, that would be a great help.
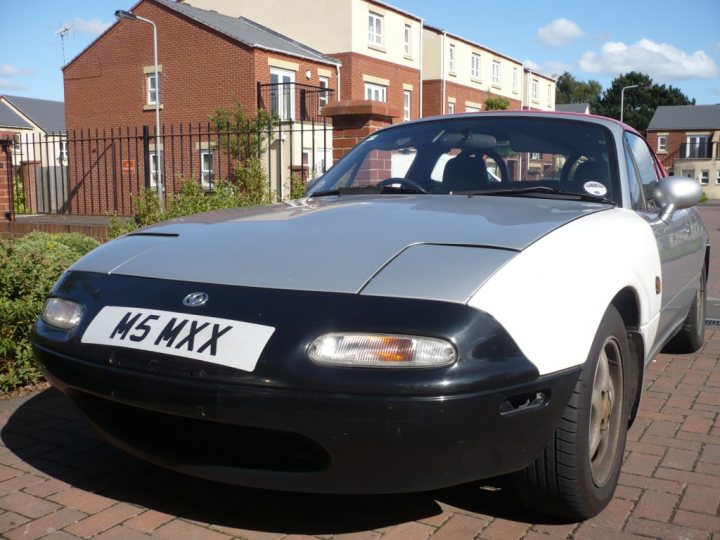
x: 59, y: 481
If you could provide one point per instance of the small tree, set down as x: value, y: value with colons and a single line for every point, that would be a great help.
x: 242, y: 135
x: 496, y: 103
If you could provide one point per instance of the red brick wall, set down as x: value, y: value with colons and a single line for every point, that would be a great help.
x: 16, y: 229
x: 105, y: 88
x: 433, y: 97
x: 352, y: 85
x: 353, y: 120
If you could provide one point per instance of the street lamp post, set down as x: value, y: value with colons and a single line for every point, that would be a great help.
x: 622, y: 97
x: 129, y: 16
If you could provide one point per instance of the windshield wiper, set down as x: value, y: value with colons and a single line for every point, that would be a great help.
x: 544, y: 190
x: 367, y: 190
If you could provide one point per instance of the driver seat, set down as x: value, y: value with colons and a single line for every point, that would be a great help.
x: 465, y: 172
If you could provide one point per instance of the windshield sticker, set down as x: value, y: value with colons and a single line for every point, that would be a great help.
x: 595, y: 188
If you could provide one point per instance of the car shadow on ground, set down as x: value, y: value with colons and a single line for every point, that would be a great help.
x: 49, y: 435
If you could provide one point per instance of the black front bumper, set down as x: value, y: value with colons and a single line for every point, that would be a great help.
x: 292, y: 425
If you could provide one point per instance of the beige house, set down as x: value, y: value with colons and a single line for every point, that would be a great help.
x: 686, y: 139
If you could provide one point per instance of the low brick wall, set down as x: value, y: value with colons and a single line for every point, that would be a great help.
x: 16, y: 229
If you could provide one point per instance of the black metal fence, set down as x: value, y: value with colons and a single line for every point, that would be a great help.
x: 700, y: 150
x: 291, y: 101
x: 99, y: 172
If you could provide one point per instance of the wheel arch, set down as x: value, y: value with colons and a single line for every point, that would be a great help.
x: 627, y: 303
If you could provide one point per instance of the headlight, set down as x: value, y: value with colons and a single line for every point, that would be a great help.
x: 62, y: 313
x: 381, y: 350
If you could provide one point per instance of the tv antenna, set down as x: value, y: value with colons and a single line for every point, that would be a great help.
x: 63, y: 32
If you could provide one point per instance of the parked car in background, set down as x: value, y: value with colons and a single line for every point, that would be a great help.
x: 413, y: 323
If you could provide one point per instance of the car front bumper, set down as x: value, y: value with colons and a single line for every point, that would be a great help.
x: 292, y: 425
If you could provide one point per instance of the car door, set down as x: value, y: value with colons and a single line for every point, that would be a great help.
x: 679, y: 241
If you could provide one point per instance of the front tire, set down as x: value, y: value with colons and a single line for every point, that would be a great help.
x: 576, y: 474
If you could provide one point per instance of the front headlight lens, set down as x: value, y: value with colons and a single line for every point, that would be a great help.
x: 62, y: 313
x: 381, y: 350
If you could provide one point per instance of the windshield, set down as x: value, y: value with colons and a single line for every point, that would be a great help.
x: 530, y: 155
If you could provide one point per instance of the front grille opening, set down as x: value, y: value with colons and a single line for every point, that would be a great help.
x: 712, y: 322
x: 200, y: 442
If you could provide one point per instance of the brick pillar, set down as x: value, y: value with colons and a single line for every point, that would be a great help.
x: 6, y: 140
x: 353, y: 120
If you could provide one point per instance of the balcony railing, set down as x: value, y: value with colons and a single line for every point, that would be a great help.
x: 292, y: 102
x: 707, y: 150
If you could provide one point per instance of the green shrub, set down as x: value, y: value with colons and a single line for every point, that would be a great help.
x: 29, y: 266
x: 249, y: 188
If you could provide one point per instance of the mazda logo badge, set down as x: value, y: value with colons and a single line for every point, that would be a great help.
x: 196, y: 299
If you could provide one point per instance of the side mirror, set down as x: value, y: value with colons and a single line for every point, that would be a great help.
x: 676, y: 193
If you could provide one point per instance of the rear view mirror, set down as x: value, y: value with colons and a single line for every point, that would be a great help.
x: 676, y: 193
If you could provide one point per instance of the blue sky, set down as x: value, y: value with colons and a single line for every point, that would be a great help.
x: 675, y: 42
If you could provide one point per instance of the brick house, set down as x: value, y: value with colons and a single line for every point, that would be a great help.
x: 460, y: 75
x: 206, y: 60
x: 379, y: 45
x: 686, y: 139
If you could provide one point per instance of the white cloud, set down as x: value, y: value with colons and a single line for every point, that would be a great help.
x: 6, y: 84
x: 659, y: 60
x: 559, y: 32
x: 93, y: 27
x: 7, y: 70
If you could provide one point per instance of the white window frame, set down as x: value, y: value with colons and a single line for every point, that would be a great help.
x: 717, y: 178
x: 375, y: 29
x: 284, y: 108
x: 515, y: 80
x: 662, y: 144
x: 450, y: 107
x: 475, y: 66
x: 63, y: 150
x: 549, y: 101
x: 408, y: 40
x: 152, y: 88
x: 407, y: 100
x: 704, y: 178
x: 323, y: 97
x: 451, y: 59
x: 154, y: 169
x: 375, y: 92
x: 471, y: 109
x: 688, y: 173
x: 697, y: 141
x: 207, y: 175
x: 534, y: 89
x: 496, y: 72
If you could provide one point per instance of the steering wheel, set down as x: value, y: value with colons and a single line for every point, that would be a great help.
x: 404, y: 183
x: 497, y: 158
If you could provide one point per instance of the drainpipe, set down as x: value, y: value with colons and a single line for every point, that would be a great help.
x: 442, y: 74
x: 422, y: 34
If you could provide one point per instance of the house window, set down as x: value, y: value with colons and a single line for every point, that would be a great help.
x: 549, y: 99
x: 704, y: 177
x: 535, y: 155
x: 496, y: 73
x: 206, y: 169
x: 152, y: 89
x: 451, y: 107
x: 407, y: 95
x: 323, y: 82
x: 63, y: 151
x: 471, y: 109
x: 697, y: 146
x: 408, y: 40
x: 475, y: 66
x: 688, y: 173
x: 534, y: 90
x: 322, y: 160
x: 515, y: 80
x: 375, y: 92
x: 451, y: 59
x: 154, y: 170
x: 717, y: 178
x: 282, y: 94
x: 662, y: 144
x: 375, y: 29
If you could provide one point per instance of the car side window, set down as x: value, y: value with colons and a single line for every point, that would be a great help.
x: 636, y: 197
x: 645, y: 167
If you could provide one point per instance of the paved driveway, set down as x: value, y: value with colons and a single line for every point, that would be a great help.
x: 59, y: 481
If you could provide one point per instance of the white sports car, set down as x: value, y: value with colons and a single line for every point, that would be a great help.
x: 458, y: 298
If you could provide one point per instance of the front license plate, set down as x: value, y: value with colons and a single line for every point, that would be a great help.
x: 226, y: 342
